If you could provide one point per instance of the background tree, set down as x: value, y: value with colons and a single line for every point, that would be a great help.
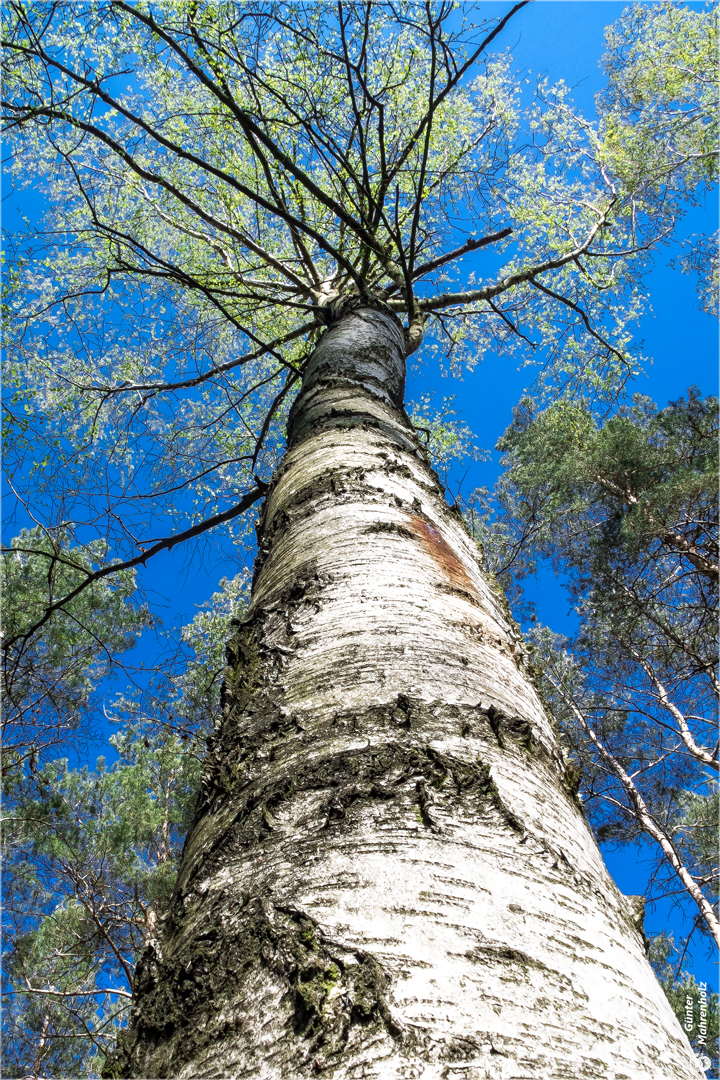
x: 91, y: 863
x: 657, y: 108
x: 695, y: 1004
x: 627, y: 512
x: 91, y: 858
x: 49, y: 681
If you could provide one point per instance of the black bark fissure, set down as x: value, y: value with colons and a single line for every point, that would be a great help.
x: 241, y: 754
x: 390, y: 771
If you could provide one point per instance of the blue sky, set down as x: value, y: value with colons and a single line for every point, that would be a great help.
x: 562, y: 39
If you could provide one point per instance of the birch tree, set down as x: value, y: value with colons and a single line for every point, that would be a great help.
x: 252, y: 199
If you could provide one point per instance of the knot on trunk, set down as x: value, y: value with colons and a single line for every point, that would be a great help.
x: 338, y: 306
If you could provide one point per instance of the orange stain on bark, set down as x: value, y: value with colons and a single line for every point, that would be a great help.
x: 443, y: 554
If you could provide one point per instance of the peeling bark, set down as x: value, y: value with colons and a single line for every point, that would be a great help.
x: 389, y: 873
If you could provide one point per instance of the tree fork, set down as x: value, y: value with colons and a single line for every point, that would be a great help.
x: 388, y: 873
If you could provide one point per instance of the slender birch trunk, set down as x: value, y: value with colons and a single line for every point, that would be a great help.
x: 388, y: 875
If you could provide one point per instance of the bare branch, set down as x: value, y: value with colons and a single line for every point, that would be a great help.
x: 165, y: 544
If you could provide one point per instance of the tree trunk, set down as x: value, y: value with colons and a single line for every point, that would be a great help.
x: 389, y: 874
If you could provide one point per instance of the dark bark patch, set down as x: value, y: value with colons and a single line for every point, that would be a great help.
x: 425, y: 801
x: 402, y: 712
x: 389, y: 527
x: 452, y: 590
x: 494, y: 717
x: 334, y: 484
x: 513, y: 727
x: 340, y: 801
x: 503, y: 954
x: 244, y: 676
x: 350, y: 777
x: 460, y: 1048
x: 329, y: 989
x: 393, y: 467
x: 572, y: 779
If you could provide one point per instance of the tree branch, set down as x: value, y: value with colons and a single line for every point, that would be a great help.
x: 642, y: 814
x: 435, y: 264
x: 436, y: 303
x: 166, y: 544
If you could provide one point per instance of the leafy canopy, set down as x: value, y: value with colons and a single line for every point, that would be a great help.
x: 220, y: 178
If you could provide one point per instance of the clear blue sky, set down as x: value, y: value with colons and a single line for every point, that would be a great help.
x: 563, y: 39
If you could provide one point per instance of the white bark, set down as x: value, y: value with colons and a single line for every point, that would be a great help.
x: 388, y: 875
